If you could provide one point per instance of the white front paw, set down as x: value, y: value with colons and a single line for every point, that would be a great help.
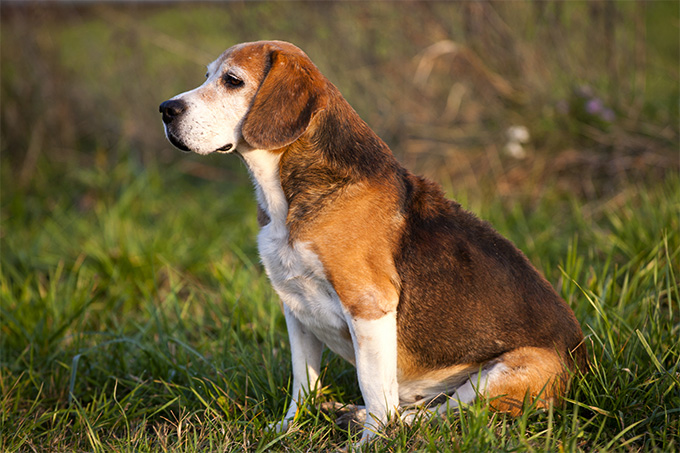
x: 372, y: 426
x: 409, y: 415
x: 282, y: 426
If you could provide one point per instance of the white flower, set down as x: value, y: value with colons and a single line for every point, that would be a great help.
x: 516, y: 135
x: 519, y: 134
x: 515, y: 149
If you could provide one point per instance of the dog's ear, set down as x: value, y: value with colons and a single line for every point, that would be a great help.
x: 290, y: 94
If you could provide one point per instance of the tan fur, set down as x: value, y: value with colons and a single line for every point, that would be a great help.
x: 412, y: 376
x: 355, y: 241
x: 249, y: 61
x: 411, y: 369
x: 535, y: 374
x: 286, y: 100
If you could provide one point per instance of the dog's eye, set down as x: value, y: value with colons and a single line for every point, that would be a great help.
x: 232, y: 81
x: 207, y: 74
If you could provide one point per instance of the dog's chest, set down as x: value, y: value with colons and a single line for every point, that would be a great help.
x: 295, y: 271
x: 298, y: 277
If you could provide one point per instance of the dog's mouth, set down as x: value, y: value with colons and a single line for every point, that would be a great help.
x: 178, y: 143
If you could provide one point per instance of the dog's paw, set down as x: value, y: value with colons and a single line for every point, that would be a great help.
x: 352, y: 419
x: 347, y: 416
x: 281, y: 426
x: 407, y: 416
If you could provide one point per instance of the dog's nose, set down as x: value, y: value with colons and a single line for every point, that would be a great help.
x: 171, y: 109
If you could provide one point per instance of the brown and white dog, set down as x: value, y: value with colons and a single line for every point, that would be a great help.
x: 369, y: 260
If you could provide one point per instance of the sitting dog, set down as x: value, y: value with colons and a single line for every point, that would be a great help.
x: 369, y: 260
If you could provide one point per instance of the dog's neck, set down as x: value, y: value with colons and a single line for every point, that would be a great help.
x: 294, y: 184
x: 263, y: 166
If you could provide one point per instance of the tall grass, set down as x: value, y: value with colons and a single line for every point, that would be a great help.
x: 141, y: 321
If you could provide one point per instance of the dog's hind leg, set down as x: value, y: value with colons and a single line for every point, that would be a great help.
x: 466, y: 393
x: 524, y: 375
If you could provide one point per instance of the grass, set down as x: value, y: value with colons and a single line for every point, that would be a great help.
x: 134, y: 313
x: 135, y: 318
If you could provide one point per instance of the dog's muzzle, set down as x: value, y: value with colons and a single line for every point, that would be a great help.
x: 173, y: 109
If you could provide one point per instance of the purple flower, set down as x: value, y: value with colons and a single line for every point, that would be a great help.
x: 594, y: 106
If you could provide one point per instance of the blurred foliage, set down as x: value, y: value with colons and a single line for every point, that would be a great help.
x: 440, y: 82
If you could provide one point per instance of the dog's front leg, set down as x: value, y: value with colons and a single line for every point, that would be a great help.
x: 375, y: 346
x: 306, y: 352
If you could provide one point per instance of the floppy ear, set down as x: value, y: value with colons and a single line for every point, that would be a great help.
x: 289, y: 96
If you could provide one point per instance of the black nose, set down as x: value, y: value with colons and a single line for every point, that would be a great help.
x: 172, y: 109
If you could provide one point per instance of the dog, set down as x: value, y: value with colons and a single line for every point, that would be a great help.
x: 432, y: 306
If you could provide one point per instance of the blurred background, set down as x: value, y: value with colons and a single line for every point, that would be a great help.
x: 503, y: 97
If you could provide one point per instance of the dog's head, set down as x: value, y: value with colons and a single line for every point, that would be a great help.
x: 259, y: 95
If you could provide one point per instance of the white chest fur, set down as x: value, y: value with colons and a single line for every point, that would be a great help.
x: 295, y: 271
